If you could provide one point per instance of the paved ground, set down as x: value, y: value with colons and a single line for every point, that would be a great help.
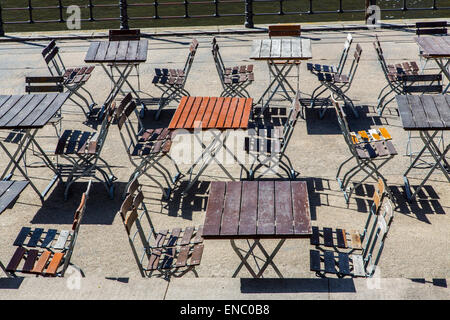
x: 416, y: 254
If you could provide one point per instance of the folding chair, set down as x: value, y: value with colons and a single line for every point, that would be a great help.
x: 337, y: 84
x: 145, y: 147
x: 74, y: 78
x: 403, y: 78
x: 421, y: 84
x: 234, y: 80
x: 314, y: 68
x: 267, y: 144
x: 82, y: 151
x: 342, y: 240
x: 370, y: 149
x: 169, y: 252
x: 435, y: 28
x: 172, y: 81
x: 126, y: 35
x: 356, y: 265
x: 286, y: 30
x: 47, y: 252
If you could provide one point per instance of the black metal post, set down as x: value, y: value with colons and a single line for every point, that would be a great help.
x: 2, y: 31
x: 123, y: 15
x: 248, y: 13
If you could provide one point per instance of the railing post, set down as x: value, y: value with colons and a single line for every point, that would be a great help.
x: 123, y: 15
x: 248, y: 13
x: 2, y: 31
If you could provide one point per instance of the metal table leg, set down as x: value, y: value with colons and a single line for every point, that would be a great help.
x: 438, y: 156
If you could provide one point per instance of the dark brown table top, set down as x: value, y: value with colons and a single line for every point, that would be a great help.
x: 212, y: 113
x: 434, y: 46
x: 424, y: 112
x: 129, y: 51
x: 257, y: 209
x: 29, y: 110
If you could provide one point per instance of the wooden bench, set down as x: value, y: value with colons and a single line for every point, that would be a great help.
x: 43, y: 251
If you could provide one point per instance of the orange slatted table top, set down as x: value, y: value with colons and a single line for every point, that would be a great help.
x: 212, y: 113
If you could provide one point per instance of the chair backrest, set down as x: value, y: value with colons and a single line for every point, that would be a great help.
x: 78, y: 216
x: 431, y: 28
x: 53, y: 59
x: 344, y: 54
x: 128, y: 132
x: 284, y: 30
x: 190, y: 59
x: 355, y: 63
x: 123, y: 35
x: 44, y: 84
x: 294, y: 112
x: 137, y: 223
x: 421, y: 83
x: 380, y: 58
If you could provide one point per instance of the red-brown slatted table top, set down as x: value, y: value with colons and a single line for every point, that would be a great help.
x: 257, y: 209
x: 212, y: 113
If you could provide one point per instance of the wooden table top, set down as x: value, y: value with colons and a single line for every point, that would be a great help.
x: 117, y: 51
x: 425, y: 112
x: 281, y: 49
x: 434, y: 46
x: 257, y: 209
x: 212, y: 113
x: 29, y: 110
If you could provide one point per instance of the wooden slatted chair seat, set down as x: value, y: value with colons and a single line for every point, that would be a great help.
x: 321, y: 68
x: 44, y: 251
x: 173, y: 252
x: 78, y: 75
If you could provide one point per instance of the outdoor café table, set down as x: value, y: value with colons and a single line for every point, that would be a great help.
x: 428, y: 114
x: 286, y: 50
x: 221, y: 116
x: 26, y: 114
x: 255, y: 210
x: 438, y: 49
x: 122, y: 56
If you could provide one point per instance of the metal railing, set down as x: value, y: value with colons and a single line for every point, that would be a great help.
x: 124, y: 7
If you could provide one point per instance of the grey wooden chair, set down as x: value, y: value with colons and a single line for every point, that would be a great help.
x: 47, y: 252
x: 168, y: 252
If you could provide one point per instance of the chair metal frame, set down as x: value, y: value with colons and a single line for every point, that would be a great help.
x: 364, y: 154
x: 337, y: 84
x: 74, y: 78
x: 315, y: 68
x: 172, y: 81
x: 82, y: 150
x: 167, y: 252
x: 270, y: 144
x: 58, y: 244
x: 234, y: 80
x: 145, y: 148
